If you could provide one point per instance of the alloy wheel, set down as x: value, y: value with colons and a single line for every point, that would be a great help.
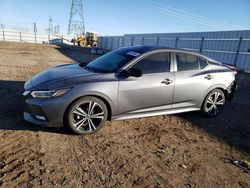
x: 214, y: 103
x: 87, y: 116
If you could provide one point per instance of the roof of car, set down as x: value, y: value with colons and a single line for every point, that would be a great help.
x: 143, y: 49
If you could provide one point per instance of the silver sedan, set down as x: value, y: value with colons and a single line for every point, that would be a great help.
x: 131, y: 82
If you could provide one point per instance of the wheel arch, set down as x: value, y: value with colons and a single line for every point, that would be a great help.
x: 222, y: 87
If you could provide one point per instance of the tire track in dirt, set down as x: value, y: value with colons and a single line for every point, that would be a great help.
x: 18, y: 159
x: 20, y: 153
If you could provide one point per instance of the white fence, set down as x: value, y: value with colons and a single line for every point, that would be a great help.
x: 47, y: 38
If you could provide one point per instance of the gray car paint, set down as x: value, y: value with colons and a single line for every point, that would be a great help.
x: 131, y: 97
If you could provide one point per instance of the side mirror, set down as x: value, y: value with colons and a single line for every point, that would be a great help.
x: 134, y: 72
x: 130, y: 72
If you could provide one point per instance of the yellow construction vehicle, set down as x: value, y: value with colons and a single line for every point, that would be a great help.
x: 87, y: 40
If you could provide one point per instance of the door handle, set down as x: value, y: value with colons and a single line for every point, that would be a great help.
x: 208, y: 77
x: 167, y: 81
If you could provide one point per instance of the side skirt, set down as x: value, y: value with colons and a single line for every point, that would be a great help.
x: 153, y: 113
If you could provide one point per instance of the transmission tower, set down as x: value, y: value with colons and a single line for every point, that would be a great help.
x: 57, y: 29
x: 76, y: 19
x: 50, y: 29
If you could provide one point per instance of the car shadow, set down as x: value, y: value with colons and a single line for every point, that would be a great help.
x: 231, y: 126
x: 78, y: 54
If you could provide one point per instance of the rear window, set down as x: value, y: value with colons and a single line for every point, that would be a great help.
x: 202, y: 62
x: 186, y: 62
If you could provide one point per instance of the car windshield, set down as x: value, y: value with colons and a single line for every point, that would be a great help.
x: 110, y: 62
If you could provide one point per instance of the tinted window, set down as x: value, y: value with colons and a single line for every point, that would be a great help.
x: 186, y: 62
x: 203, y: 62
x: 156, y: 63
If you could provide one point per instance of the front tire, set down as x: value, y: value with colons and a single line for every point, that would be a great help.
x: 82, y: 43
x: 86, y: 115
x: 213, y: 103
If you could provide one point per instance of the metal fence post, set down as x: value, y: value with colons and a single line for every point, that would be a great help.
x: 106, y: 42
x: 201, y: 46
x: 20, y: 36
x: 237, y: 52
x: 132, y: 41
x: 48, y: 38
x: 142, y: 41
x: 112, y: 41
x: 157, y: 41
x: 118, y: 42
x: 123, y: 41
x: 176, y: 42
x: 3, y: 36
x: 100, y: 45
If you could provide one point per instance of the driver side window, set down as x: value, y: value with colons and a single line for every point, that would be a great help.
x: 156, y: 63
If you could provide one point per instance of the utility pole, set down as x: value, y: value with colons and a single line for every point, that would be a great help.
x: 76, y: 19
x: 2, y: 26
x: 34, y: 27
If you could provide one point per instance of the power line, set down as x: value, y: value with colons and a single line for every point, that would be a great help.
x: 194, y: 16
x: 105, y: 31
x: 164, y: 9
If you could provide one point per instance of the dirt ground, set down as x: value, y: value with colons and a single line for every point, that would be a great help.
x: 185, y: 150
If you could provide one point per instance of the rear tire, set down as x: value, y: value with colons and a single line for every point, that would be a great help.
x: 86, y: 115
x: 213, y: 103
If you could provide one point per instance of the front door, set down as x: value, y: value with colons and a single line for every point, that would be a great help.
x: 152, y: 91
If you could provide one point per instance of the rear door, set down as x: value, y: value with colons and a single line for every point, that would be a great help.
x: 192, y: 80
x: 153, y: 90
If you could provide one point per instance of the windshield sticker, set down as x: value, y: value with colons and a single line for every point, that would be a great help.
x: 133, y: 53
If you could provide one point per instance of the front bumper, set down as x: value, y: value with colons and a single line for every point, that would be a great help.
x: 45, y: 112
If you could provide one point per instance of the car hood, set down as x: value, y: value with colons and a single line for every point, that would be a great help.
x: 62, y: 76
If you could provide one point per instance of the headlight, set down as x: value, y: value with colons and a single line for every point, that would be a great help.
x: 48, y: 94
